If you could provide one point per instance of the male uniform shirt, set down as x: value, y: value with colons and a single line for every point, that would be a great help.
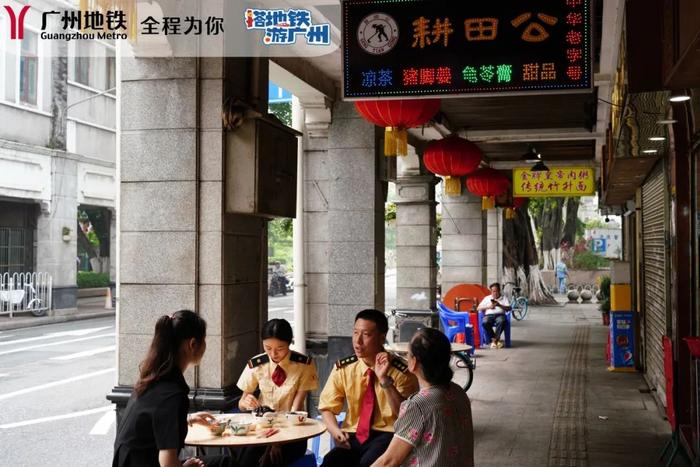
x: 493, y: 311
x: 300, y: 376
x: 348, y: 383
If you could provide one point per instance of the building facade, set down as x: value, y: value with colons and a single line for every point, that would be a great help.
x: 57, y: 150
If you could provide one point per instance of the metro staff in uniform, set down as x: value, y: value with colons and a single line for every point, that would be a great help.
x: 284, y: 378
x: 373, y: 383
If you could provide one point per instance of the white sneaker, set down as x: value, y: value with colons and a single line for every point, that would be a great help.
x: 493, y: 345
x: 500, y: 344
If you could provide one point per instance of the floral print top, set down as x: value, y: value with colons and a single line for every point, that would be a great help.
x: 437, y: 422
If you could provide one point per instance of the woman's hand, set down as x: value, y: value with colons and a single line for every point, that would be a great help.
x: 201, y: 418
x: 193, y: 462
x: 249, y: 402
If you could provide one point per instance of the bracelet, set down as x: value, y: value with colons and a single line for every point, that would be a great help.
x: 189, y: 422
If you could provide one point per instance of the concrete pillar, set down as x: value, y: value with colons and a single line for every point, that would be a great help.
x: 317, y: 118
x: 416, y: 240
x: 54, y: 254
x: 462, y: 241
x: 355, y: 226
x: 493, y: 246
x: 179, y: 246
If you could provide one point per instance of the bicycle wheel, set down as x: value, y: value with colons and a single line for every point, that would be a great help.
x: 520, y: 308
x: 463, y: 372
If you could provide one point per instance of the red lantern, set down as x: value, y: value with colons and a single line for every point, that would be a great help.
x: 488, y: 183
x: 452, y: 157
x: 396, y: 116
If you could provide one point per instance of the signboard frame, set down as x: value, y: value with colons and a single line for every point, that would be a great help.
x: 349, y: 34
x: 517, y: 191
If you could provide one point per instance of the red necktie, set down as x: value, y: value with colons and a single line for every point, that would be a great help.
x: 366, y: 409
x: 278, y: 376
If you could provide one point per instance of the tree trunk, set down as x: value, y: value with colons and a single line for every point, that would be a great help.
x: 551, y: 231
x: 520, y: 263
x: 569, y: 236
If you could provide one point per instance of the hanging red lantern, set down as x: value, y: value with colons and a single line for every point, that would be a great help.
x: 452, y: 157
x: 488, y: 183
x: 396, y: 116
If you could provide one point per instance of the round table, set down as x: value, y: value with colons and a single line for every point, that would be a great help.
x: 402, y: 347
x: 199, y: 435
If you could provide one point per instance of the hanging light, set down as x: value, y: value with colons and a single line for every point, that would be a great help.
x: 539, y: 167
x: 679, y: 98
x: 531, y: 156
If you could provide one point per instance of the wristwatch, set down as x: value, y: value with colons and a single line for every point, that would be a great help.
x: 386, y: 382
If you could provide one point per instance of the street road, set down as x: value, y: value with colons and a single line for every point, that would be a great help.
x: 53, y: 382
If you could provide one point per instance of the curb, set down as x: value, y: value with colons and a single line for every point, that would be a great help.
x: 46, y: 320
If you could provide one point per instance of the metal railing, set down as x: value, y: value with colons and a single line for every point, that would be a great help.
x: 25, y: 291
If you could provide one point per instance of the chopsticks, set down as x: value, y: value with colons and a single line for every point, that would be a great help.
x: 269, y: 432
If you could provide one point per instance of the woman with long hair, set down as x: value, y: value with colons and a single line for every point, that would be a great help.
x: 283, y: 378
x: 434, y: 426
x: 154, y: 424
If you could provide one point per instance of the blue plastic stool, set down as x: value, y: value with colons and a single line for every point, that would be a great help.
x: 482, y: 331
x: 316, y: 442
x: 461, y: 325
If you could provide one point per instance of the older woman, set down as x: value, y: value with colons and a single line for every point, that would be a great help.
x: 434, y: 426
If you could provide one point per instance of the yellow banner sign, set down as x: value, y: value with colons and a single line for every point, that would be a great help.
x: 558, y: 181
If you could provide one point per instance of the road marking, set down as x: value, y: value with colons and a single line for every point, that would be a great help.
x: 55, y: 383
x: 53, y: 335
x: 5, y: 336
x: 32, y: 347
x: 87, y: 353
x: 104, y: 423
x: 277, y: 308
x: 58, y: 417
x: 2, y: 375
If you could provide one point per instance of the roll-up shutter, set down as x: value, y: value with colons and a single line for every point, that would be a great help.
x: 655, y: 257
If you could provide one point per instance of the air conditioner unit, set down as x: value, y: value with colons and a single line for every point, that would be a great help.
x: 261, y: 169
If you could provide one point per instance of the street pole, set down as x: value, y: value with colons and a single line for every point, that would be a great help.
x: 298, y: 236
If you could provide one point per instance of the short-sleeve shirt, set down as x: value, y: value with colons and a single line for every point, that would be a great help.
x: 300, y: 376
x: 503, y: 300
x: 437, y: 422
x: 348, y: 382
x: 156, y: 420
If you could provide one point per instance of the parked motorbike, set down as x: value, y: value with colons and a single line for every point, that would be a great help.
x: 278, y: 285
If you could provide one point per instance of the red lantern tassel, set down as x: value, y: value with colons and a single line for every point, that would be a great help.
x: 510, y: 213
x: 402, y: 142
x: 389, y: 142
x: 453, y: 186
x: 488, y: 202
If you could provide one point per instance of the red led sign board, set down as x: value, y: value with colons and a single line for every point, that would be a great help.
x: 413, y: 48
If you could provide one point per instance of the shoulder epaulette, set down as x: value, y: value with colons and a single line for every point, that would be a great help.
x: 345, y: 361
x: 399, y: 364
x: 300, y: 358
x: 258, y: 360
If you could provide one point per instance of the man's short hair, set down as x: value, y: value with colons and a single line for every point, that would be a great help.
x: 377, y: 317
x: 495, y: 284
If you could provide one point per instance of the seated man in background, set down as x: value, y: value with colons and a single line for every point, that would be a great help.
x: 494, y: 307
x: 373, y: 383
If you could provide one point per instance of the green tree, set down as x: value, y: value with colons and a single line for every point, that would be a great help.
x: 279, y: 241
x: 283, y: 111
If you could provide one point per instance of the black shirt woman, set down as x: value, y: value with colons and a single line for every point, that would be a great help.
x: 154, y: 425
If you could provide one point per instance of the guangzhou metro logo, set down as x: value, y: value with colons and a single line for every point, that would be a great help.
x: 17, y: 22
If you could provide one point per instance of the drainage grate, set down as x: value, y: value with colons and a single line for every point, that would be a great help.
x: 567, y: 447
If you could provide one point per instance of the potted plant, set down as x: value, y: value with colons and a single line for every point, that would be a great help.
x: 604, y: 304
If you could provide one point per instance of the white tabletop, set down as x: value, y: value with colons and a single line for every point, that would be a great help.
x: 402, y: 347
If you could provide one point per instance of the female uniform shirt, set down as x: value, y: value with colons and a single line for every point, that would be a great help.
x: 301, y: 376
x: 154, y: 421
x: 437, y: 422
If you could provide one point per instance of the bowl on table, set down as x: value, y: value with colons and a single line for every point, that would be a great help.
x: 266, y: 420
x: 240, y: 427
x: 218, y: 427
x: 297, y: 417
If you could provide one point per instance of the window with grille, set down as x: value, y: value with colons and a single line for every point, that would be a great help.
x: 12, y: 250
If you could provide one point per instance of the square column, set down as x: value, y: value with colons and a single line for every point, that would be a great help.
x: 463, y: 241
x: 416, y: 239
x: 355, y: 226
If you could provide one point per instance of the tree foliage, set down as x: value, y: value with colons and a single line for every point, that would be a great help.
x: 283, y: 111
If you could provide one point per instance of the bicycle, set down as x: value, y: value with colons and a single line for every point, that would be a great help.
x: 461, y: 363
x: 519, y: 303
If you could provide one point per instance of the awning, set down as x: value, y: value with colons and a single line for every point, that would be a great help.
x: 625, y: 176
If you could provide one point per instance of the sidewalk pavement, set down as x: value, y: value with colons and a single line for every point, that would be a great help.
x: 88, y: 308
x: 550, y: 401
